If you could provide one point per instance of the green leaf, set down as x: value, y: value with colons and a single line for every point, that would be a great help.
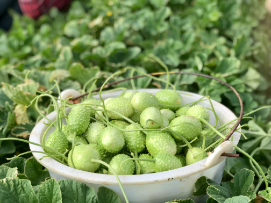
x: 20, y: 114
x: 252, y: 78
x: 73, y: 192
x: 266, y: 194
x: 158, y: 3
x: 7, y: 147
x: 219, y: 193
x: 201, y: 186
x: 242, y: 46
x: 238, y: 199
x: 81, y: 74
x: 64, y: 59
x: 120, y: 57
x: 211, y: 200
x: 23, y: 130
x: 228, y: 66
x: 7, y: 172
x: 17, y: 95
x: 49, y: 192
x: 17, y: 162
x: 17, y: 191
x: 106, y: 195
x: 4, y: 98
x: 242, y: 182
x: 33, y: 170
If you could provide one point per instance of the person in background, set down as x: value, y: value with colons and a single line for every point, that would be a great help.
x: 31, y: 8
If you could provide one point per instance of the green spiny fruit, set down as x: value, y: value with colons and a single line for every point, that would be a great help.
x: 120, y: 105
x: 143, y: 100
x: 182, y: 159
x: 92, y: 103
x: 120, y: 124
x: 93, y: 131
x: 136, y: 117
x: 129, y: 94
x: 153, y: 114
x: 169, y: 97
x: 182, y: 111
x: 194, y: 155
x: 199, y: 111
x: 78, y: 119
x: 170, y: 115
x: 126, y: 168
x: 146, y: 166
x: 80, y: 158
x: 160, y: 142
x: 166, y: 162
x: 187, y: 126
x: 135, y: 140
x: 57, y: 140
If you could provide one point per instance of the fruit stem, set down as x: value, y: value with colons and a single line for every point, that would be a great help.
x: 115, y: 174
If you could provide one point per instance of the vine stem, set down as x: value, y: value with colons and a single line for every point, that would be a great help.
x: 240, y: 150
x: 116, y: 175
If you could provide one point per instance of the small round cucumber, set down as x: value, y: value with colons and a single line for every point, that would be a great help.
x: 153, y: 114
x: 111, y: 139
x: 187, y: 126
x: 136, y: 117
x: 194, y: 155
x: 165, y: 122
x: 170, y: 115
x: 160, y: 142
x: 81, y: 158
x: 199, y: 111
x: 166, y: 162
x: 143, y: 100
x: 182, y: 111
x: 129, y: 94
x: 169, y: 97
x: 93, y: 103
x: 146, y: 166
x: 126, y: 168
x: 120, y: 105
x: 79, y: 118
x: 93, y: 131
x: 57, y: 140
x: 101, y: 150
x: 182, y: 159
x: 135, y: 140
x: 120, y: 124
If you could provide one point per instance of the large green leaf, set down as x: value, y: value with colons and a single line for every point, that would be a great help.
x: 17, y: 162
x: 106, y: 195
x: 7, y: 172
x: 73, y: 192
x: 121, y: 57
x: 238, y: 199
x: 49, y: 192
x: 17, y: 191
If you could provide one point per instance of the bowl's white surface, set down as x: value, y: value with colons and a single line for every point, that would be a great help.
x: 145, y: 188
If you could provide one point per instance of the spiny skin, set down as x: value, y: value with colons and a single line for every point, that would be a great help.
x: 129, y: 94
x: 82, y: 155
x: 111, y: 139
x: 194, y: 155
x: 120, y: 124
x: 127, y: 168
x: 57, y: 141
x: 166, y: 162
x: 136, y: 117
x: 78, y: 119
x: 182, y: 159
x: 93, y: 131
x: 179, y: 145
x: 170, y: 115
x: 165, y: 122
x: 153, y: 114
x: 187, y: 126
x: 143, y: 100
x: 136, y: 140
x: 160, y: 142
x: 146, y: 166
x: 120, y: 105
x: 102, y: 152
x: 69, y: 136
x: 199, y: 111
x: 169, y: 97
x: 182, y: 111
x: 94, y: 102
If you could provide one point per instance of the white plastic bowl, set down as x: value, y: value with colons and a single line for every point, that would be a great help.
x: 146, y: 188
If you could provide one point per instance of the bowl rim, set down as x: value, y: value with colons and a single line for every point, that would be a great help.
x: 104, y: 179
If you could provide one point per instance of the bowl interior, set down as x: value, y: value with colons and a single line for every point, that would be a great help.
x: 223, y: 112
